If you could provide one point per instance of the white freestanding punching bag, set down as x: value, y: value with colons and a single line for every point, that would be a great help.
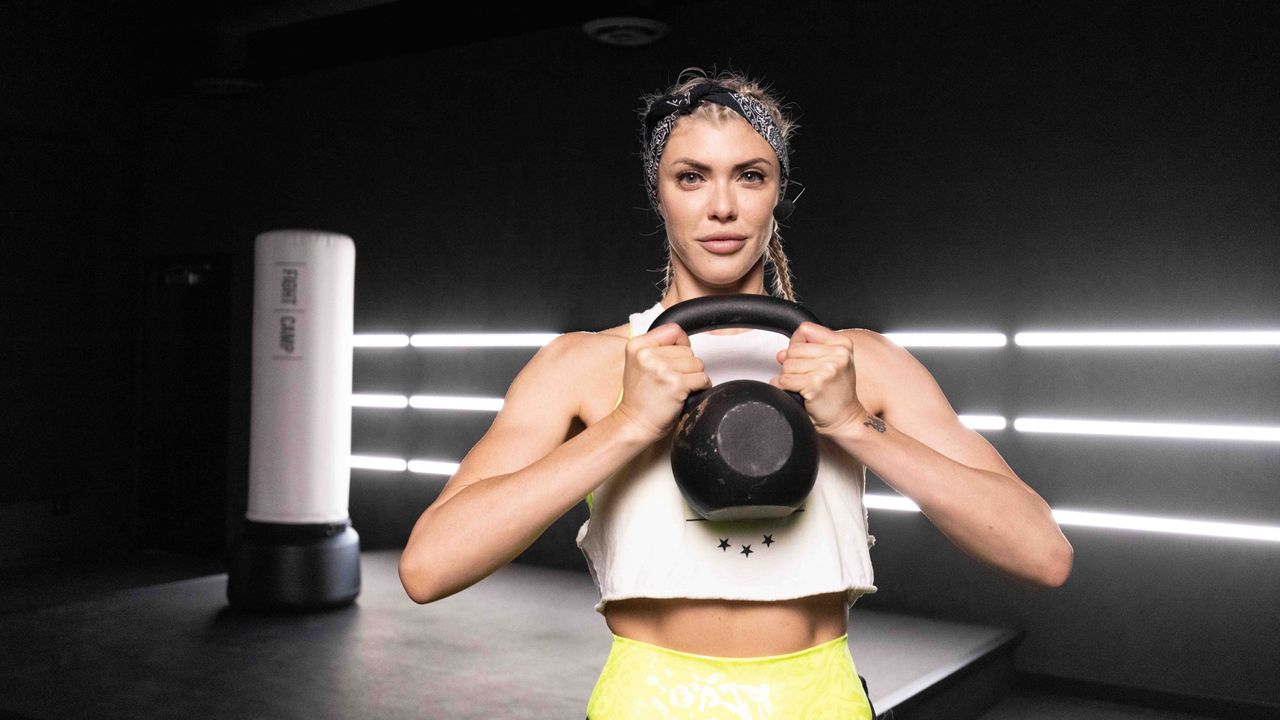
x: 297, y: 550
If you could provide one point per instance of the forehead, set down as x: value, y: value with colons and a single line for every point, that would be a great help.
x: 713, y: 142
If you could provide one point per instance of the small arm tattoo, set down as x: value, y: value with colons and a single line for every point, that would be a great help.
x: 875, y: 423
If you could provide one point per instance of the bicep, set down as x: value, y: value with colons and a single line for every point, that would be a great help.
x: 914, y: 404
x: 535, y: 419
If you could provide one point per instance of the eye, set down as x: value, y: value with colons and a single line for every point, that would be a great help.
x: 680, y: 177
x: 758, y: 175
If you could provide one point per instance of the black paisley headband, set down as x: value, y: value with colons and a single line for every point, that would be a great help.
x: 664, y: 112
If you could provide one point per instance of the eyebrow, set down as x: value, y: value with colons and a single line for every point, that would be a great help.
x: 702, y: 166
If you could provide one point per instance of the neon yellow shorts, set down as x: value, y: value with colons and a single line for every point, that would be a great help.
x: 644, y: 681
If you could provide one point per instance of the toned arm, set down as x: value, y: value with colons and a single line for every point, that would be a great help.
x: 518, y: 479
x: 961, y: 483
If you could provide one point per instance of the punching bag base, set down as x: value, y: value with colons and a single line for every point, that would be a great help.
x: 287, y: 567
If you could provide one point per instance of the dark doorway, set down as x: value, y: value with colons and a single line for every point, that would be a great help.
x: 183, y: 394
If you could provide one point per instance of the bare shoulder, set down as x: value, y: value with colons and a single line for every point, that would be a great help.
x: 580, y: 348
x: 899, y: 383
x: 622, y: 331
x: 585, y: 345
x: 866, y: 340
x: 605, y: 345
x: 587, y: 361
x: 876, y: 358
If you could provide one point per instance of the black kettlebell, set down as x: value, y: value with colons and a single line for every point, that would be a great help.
x: 743, y: 449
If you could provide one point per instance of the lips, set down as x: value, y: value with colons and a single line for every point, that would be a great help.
x: 723, y: 243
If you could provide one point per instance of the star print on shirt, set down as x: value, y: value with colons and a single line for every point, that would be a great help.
x: 768, y: 540
x: 746, y: 550
x: 724, y: 543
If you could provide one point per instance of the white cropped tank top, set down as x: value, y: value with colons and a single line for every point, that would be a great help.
x: 643, y: 540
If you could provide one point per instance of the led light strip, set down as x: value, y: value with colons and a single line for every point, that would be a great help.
x: 1115, y: 521
x: 379, y: 341
x: 1208, y: 338
x: 427, y: 402
x: 898, y: 503
x: 454, y: 402
x: 482, y: 339
x: 369, y: 462
x: 375, y: 340
x: 983, y: 422
x: 433, y: 467
x: 391, y: 464
x: 905, y: 339
x: 1214, y: 338
x: 1185, y: 431
x: 379, y: 401
x: 1270, y: 533
x: 938, y: 339
x: 1148, y: 429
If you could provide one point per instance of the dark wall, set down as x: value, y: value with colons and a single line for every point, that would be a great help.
x: 68, y: 147
x: 993, y: 167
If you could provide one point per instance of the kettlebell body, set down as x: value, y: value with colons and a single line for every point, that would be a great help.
x: 743, y: 449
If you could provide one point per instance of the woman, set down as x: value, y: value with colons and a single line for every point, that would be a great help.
x: 699, y: 630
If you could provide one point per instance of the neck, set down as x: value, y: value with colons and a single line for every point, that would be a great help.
x: 684, y: 286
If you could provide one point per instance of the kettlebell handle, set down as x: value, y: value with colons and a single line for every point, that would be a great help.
x: 749, y: 310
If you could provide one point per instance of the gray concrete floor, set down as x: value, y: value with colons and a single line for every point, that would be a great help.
x: 84, y: 640
x: 1026, y: 704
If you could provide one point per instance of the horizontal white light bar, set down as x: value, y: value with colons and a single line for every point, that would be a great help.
x: 1148, y: 429
x: 482, y: 339
x: 938, y: 339
x: 983, y: 422
x: 1146, y: 339
x: 429, y: 467
x: 876, y: 501
x: 367, y: 462
x: 1209, y: 338
x: 379, y: 401
x: 1270, y: 533
x: 433, y: 467
x: 455, y: 402
x: 375, y: 340
x: 898, y: 503
x: 1116, y: 521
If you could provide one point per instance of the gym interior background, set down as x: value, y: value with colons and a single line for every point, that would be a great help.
x: 980, y: 167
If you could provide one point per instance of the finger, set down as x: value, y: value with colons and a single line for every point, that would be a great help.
x: 686, y: 364
x: 802, y: 366
x: 669, y: 334
x: 793, y: 383
x: 835, y: 354
x: 817, y: 333
x: 806, y: 349
x: 808, y: 332
x: 697, y: 381
x: 674, y: 352
x: 814, y: 333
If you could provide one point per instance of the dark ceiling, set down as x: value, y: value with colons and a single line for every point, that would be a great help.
x: 257, y: 40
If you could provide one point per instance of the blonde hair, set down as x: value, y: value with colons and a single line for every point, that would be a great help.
x: 775, y: 259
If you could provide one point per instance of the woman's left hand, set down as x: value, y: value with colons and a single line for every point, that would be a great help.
x: 818, y: 364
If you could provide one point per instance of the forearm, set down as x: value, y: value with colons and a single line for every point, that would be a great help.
x: 487, y: 524
x: 990, y: 516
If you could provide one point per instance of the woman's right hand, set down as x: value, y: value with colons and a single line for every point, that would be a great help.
x: 660, y: 371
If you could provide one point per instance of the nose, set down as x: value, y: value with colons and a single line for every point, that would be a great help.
x: 723, y: 201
